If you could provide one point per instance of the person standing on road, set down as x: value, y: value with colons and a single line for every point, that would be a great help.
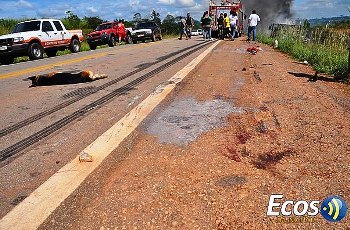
x: 226, y: 25
x: 189, y: 25
x: 206, y: 24
x: 253, y: 22
x: 233, y: 24
x: 211, y: 16
x: 221, y: 26
x: 202, y: 24
x: 182, y: 27
x: 121, y: 31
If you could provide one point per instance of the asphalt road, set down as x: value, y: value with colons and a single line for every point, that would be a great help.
x: 26, y: 111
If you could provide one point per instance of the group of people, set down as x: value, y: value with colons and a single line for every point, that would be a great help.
x: 186, y: 25
x: 226, y: 25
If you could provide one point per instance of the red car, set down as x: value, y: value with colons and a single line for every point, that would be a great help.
x: 107, y: 33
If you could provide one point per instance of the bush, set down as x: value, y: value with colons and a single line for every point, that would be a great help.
x: 325, y: 49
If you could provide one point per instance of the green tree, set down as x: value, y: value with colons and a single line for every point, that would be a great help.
x: 128, y: 24
x: 197, y: 25
x: 92, y: 22
x: 71, y: 21
x: 170, y: 25
x: 7, y: 25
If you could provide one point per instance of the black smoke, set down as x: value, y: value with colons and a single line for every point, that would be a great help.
x: 270, y: 11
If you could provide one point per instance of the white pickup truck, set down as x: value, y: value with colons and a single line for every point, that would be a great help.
x: 33, y: 38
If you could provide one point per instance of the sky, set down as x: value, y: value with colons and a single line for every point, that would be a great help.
x: 113, y: 9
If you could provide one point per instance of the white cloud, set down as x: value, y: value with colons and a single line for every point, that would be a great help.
x: 166, y: 2
x: 134, y: 2
x: 186, y: 3
x: 178, y: 3
x: 23, y: 3
x: 92, y: 9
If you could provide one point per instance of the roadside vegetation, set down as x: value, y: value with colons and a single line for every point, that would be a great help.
x: 323, y: 47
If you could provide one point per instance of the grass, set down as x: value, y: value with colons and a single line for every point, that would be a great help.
x: 325, y: 51
x: 169, y: 36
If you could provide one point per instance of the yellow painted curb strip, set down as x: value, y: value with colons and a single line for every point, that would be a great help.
x: 34, y: 210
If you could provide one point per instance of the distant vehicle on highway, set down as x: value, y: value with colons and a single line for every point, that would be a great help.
x: 197, y: 32
x: 146, y: 31
x: 33, y: 38
x: 107, y: 33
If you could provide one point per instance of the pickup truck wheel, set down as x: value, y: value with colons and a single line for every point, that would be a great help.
x: 51, y: 53
x: 153, y: 37
x: 35, y: 51
x: 111, y: 41
x: 128, y: 39
x: 75, y: 46
x: 7, y: 60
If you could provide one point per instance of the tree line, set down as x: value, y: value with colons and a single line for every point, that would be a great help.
x: 169, y: 25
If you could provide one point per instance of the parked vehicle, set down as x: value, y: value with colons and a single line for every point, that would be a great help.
x: 146, y: 31
x: 197, y: 32
x: 107, y: 33
x: 33, y: 38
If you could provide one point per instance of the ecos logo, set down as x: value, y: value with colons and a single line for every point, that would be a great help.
x: 332, y: 209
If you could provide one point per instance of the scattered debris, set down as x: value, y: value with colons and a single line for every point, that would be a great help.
x: 245, y: 152
x: 244, y: 69
x: 63, y: 78
x: 314, y: 78
x: 257, y: 76
x: 254, y: 50
x: 275, y: 44
x: 34, y: 174
x: 275, y: 120
x: 272, y: 158
x: 85, y: 157
x: 262, y: 127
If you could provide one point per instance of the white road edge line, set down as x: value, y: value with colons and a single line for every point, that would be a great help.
x: 35, y: 209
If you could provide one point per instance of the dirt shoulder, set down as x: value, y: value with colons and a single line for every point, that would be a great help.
x: 238, y: 129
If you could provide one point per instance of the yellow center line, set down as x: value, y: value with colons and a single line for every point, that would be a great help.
x: 61, y: 63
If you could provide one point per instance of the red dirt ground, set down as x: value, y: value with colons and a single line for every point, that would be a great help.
x: 292, y: 138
